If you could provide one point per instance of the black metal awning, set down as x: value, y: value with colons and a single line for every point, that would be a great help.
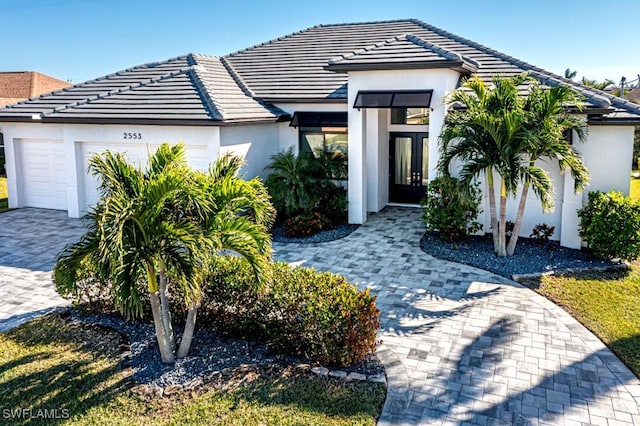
x: 393, y: 99
x: 319, y: 119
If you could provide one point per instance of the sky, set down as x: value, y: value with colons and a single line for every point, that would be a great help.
x: 78, y: 40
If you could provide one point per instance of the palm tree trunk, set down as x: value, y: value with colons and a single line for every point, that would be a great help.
x: 187, y: 336
x: 502, y: 237
x: 164, y: 306
x: 166, y: 351
x: 516, y: 228
x: 492, y: 209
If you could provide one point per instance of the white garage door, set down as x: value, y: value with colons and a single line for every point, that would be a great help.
x: 43, y: 174
x: 138, y: 154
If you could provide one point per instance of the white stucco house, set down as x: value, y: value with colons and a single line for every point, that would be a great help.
x: 376, y: 89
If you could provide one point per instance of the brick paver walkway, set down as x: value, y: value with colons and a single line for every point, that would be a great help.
x: 459, y: 344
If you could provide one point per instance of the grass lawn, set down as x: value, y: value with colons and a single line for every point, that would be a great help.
x: 3, y: 194
x: 634, y: 191
x: 51, y: 364
x: 606, y: 303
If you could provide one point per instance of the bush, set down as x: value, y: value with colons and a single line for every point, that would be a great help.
x: 303, y: 312
x: 306, y: 225
x: 451, y: 208
x: 541, y: 233
x: 333, y: 203
x: 610, y: 225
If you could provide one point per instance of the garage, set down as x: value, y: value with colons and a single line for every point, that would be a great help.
x: 44, y: 174
x: 137, y: 154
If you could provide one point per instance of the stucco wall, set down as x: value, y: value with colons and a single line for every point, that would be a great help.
x: 254, y: 143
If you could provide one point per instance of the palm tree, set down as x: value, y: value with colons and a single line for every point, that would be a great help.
x: 568, y: 73
x: 500, y: 130
x: 600, y: 85
x: 547, y: 122
x: 481, y: 135
x: 161, y: 226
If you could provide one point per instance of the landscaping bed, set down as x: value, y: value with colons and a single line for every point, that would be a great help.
x: 58, y: 365
x: 340, y: 231
x: 529, y: 257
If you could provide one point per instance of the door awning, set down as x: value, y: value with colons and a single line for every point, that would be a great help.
x: 393, y: 99
x: 319, y: 119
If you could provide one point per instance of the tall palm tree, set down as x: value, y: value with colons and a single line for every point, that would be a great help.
x: 547, y: 121
x: 480, y: 134
x: 160, y: 226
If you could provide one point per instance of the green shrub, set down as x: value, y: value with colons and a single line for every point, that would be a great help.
x: 541, y: 233
x: 303, y: 312
x: 305, y: 225
x: 451, y: 208
x: 333, y: 203
x: 293, y: 182
x: 610, y: 225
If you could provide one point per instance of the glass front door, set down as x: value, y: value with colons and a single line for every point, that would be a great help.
x: 408, y: 167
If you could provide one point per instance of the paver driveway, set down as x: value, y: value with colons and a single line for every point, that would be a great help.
x: 459, y: 344
x: 464, y: 345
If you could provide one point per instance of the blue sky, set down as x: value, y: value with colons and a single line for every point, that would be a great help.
x: 82, y: 39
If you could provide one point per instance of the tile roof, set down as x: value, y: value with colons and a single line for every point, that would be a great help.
x: 401, y: 52
x: 299, y: 67
x: 190, y: 89
x: 26, y: 84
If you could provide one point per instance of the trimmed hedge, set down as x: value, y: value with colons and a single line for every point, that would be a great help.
x: 610, y: 224
x: 318, y: 315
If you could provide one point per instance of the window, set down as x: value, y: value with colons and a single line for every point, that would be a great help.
x: 327, y: 143
x: 414, y: 116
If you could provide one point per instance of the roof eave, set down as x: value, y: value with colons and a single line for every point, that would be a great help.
x: 460, y: 66
x: 142, y: 121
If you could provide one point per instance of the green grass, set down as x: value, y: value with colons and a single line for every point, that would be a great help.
x: 606, y: 303
x: 4, y: 203
x: 634, y: 191
x: 52, y: 364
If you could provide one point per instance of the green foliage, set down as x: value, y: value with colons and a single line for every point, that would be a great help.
x: 305, y: 312
x: 293, y: 182
x: 610, y: 225
x: 333, y: 203
x: 451, y: 208
x: 542, y: 233
x: 305, y: 225
x: 302, y: 184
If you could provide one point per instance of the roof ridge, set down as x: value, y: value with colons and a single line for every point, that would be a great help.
x: 94, y: 80
x: 214, y: 108
x: 236, y: 77
x: 442, y: 51
x: 117, y: 91
x: 541, y: 73
x: 383, y: 21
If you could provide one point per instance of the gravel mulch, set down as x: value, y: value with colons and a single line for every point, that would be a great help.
x: 336, y: 233
x: 209, y: 353
x: 529, y: 257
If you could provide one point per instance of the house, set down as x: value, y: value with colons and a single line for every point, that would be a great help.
x: 376, y: 88
x: 21, y: 85
x: 17, y: 86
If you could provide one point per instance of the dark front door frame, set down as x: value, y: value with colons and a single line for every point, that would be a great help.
x: 411, y: 190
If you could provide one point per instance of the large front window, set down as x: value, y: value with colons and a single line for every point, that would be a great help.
x: 327, y: 144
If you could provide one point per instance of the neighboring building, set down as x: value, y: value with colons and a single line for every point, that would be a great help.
x: 377, y: 88
x: 21, y: 85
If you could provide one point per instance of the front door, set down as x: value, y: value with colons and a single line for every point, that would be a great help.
x: 408, y: 167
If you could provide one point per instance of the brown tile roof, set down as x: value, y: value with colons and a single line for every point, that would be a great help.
x: 27, y: 84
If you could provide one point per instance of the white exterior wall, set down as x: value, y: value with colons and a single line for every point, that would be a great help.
x: 75, y: 136
x: 367, y: 140
x: 289, y: 135
x: 254, y: 143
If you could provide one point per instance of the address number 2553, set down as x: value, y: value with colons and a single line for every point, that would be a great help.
x: 129, y: 135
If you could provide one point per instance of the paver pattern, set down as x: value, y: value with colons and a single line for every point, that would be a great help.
x: 464, y: 346
x: 30, y: 239
x: 460, y: 345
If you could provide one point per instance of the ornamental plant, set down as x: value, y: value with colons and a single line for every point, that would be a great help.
x: 450, y: 208
x: 610, y: 225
